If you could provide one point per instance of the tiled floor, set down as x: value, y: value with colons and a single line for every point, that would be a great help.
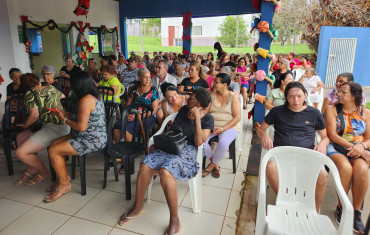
x: 22, y: 210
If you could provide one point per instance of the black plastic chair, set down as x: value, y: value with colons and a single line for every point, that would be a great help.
x: 11, y: 129
x: 232, y: 152
x: 110, y: 114
x: 104, y: 92
x: 127, y: 151
x: 65, y: 84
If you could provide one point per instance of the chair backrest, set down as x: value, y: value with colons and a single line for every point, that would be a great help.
x: 298, y: 170
x: 137, y: 133
x: 65, y: 84
x: 69, y: 104
x: 14, y: 105
x: 110, y: 115
x: 104, y: 92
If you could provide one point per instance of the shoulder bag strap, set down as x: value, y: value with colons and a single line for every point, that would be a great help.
x: 341, y: 119
x: 37, y: 101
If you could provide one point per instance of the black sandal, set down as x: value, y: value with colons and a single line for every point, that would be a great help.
x: 216, y: 172
x: 205, y: 172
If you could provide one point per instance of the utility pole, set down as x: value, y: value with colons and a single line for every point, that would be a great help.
x: 237, y: 34
x: 141, y: 35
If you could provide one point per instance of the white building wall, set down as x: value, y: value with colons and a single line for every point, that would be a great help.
x: 13, y: 53
x: 209, y: 27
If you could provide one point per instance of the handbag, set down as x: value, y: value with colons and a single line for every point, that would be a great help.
x: 38, y: 123
x: 172, y: 141
x: 339, y: 148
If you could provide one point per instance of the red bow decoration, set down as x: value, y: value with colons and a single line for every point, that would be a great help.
x: 186, y: 52
x: 117, y: 46
x: 87, y: 25
x: 24, y: 19
x: 82, y: 7
x: 73, y: 23
x: 186, y: 37
x: 116, y: 28
x: 80, y: 23
x: 104, y: 27
x: 186, y: 19
x: 28, y: 45
x: 90, y: 49
x: 79, y: 44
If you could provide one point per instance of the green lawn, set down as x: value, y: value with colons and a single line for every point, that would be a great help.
x: 154, y: 44
x: 368, y: 105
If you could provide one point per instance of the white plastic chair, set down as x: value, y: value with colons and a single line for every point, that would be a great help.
x: 295, y: 211
x: 298, y: 73
x: 321, y: 92
x: 120, y: 94
x: 240, y: 135
x: 195, y: 184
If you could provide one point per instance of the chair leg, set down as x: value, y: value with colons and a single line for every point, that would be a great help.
x: 132, y: 167
x: 115, y: 170
x: 195, y: 185
x: 52, y: 172
x: 204, y: 162
x: 232, y: 155
x: 82, y: 174
x: 8, y: 155
x: 106, y: 168
x: 127, y: 164
x: 73, y: 170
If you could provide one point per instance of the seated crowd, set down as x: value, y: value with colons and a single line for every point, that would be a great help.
x: 205, y: 95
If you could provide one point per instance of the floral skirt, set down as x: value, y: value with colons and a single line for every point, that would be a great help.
x: 182, y: 167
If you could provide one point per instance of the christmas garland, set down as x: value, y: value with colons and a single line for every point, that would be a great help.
x: 52, y: 25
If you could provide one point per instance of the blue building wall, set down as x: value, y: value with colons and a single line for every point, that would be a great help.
x: 362, y: 54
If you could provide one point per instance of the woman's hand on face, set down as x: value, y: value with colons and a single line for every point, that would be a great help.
x: 355, y: 151
x: 196, y: 111
x: 130, y: 117
x: 59, y: 113
x: 267, y: 142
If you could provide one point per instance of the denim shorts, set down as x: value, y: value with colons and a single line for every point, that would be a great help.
x: 330, y: 150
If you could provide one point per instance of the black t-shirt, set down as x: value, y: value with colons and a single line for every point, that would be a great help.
x: 72, y: 71
x: 11, y: 92
x: 190, y: 86
x: 295, y: 128
x: 187, y: 125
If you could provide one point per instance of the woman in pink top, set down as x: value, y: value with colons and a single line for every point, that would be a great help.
x: 243, y: 72
x: 293, y: 61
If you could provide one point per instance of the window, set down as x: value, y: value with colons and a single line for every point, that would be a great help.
x: 196, y: 30
x: 94, y: 41
x: 34, y: 35
x: 107, y: 43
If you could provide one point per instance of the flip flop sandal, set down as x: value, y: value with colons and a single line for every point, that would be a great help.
x: 205, y: 172
x: 29, y: 176
x: 32, y: 182
x: 216, y: 172
x: 59, y: 192
x: 54, y: 186
x: 124, y: 216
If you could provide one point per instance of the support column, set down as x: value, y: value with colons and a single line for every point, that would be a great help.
x: 267, y: 13
x: 186, y: 33
x: 123, y: 34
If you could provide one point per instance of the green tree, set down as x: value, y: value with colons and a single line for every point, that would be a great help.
x: 228, y: 32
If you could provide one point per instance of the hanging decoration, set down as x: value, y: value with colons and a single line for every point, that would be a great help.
x: 186, y: 35
x: 83, y: 51
x: 52, y: 25
x: 82, y: 8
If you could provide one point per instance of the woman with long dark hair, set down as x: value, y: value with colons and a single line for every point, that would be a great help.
x: 348, y: 126
x: 89, y: 133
